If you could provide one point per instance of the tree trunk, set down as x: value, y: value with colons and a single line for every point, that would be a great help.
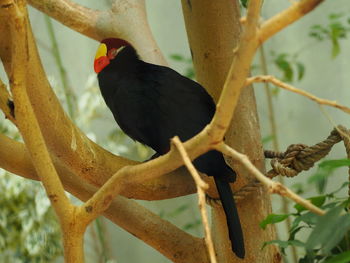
x: 213, y: 30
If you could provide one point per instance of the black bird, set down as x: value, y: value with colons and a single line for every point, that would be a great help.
x: 152, y: 104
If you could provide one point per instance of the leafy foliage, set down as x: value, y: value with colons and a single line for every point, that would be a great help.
x: 325, y: 170
x: 272, y: 219
x: 29, y: 231
x: 329, y: 234
x: 290, y: 67
x: 244, y: 3
x: 337, y: 28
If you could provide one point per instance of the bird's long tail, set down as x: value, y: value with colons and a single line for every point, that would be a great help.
x: 232, y: 218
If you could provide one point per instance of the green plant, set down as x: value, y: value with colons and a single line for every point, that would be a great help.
x: 337, y: 29
x: 29, y: 231
x: 328, y: 238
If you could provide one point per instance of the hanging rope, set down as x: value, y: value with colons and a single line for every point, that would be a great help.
x: 297, y: 158
x: 300, y: 157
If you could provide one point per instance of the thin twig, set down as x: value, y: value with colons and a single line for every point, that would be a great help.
x: 273, y: 187
x: 286, y: 86
x: 201, y: 186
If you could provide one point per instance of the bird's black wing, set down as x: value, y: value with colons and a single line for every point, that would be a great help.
x: 152, y: 104
x: 159, y: 103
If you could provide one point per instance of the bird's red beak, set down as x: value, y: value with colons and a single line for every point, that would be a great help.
x: 101, y: 58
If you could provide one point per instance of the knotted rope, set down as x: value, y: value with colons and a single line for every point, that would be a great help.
x: 297, y: 158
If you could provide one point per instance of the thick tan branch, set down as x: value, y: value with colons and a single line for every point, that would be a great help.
x: 34, y: 140
x: 142, y: 172
x: 238, y: 72
x: 69, y: 144
x: 283, y: 19
x: 212, y: 57
x: 72, y: 15
x: 4, y: 102
x: 126, y: 19
x: 26, y: 119
x: 304, y: 93
x: 92, y: 163
x: 134, y: 218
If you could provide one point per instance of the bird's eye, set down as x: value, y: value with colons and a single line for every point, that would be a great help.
x: 112, y: 53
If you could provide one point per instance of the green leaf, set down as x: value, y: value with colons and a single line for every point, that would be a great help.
x: 335, y: 48
x: 316, y: 35
x: 301, y: 70
x: 325, y: 170
x: 294, y: 231
x: 267, y: 139
x: 284, y: 244
x: 244, y: 3
x: 342, y: 226
x: 308, y: 218
x: 298, y: 188
x: 178, y: 210
x: 345, y: 184
x: 192, y: 225
x: 332, y: 164
x: 272, y: 219
x: 316, y: 200
x: 328, y: 227
x: 340, y: 258
x: 190, y: 73
x: 282, y: 63
x: 335, y: 16
x: 177, y: 57
x: 320, y: 178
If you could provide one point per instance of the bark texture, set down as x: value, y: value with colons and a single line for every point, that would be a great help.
x: 213, y: 30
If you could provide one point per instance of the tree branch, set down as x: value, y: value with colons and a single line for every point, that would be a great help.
x: 26, y: 119
x: 85, y: 158
x: 127, y: 19
x: 93, y: 163
x: 134, y: 218
x: 273, y: 187
x: 304, y: 93
x: 201, y: 187
x: 283, y: 19
x: 32, y: 136
x: 239, y: 69
x: 4, y: 102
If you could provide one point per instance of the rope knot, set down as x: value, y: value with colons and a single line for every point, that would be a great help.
x: 300, y: 157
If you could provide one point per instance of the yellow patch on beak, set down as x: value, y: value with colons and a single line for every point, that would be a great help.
x: 101, y: 51
x: 101, y: 59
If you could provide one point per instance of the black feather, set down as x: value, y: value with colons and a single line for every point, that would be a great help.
x: 152, y: 104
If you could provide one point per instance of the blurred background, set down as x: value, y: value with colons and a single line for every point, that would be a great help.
x: 312, y: 54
